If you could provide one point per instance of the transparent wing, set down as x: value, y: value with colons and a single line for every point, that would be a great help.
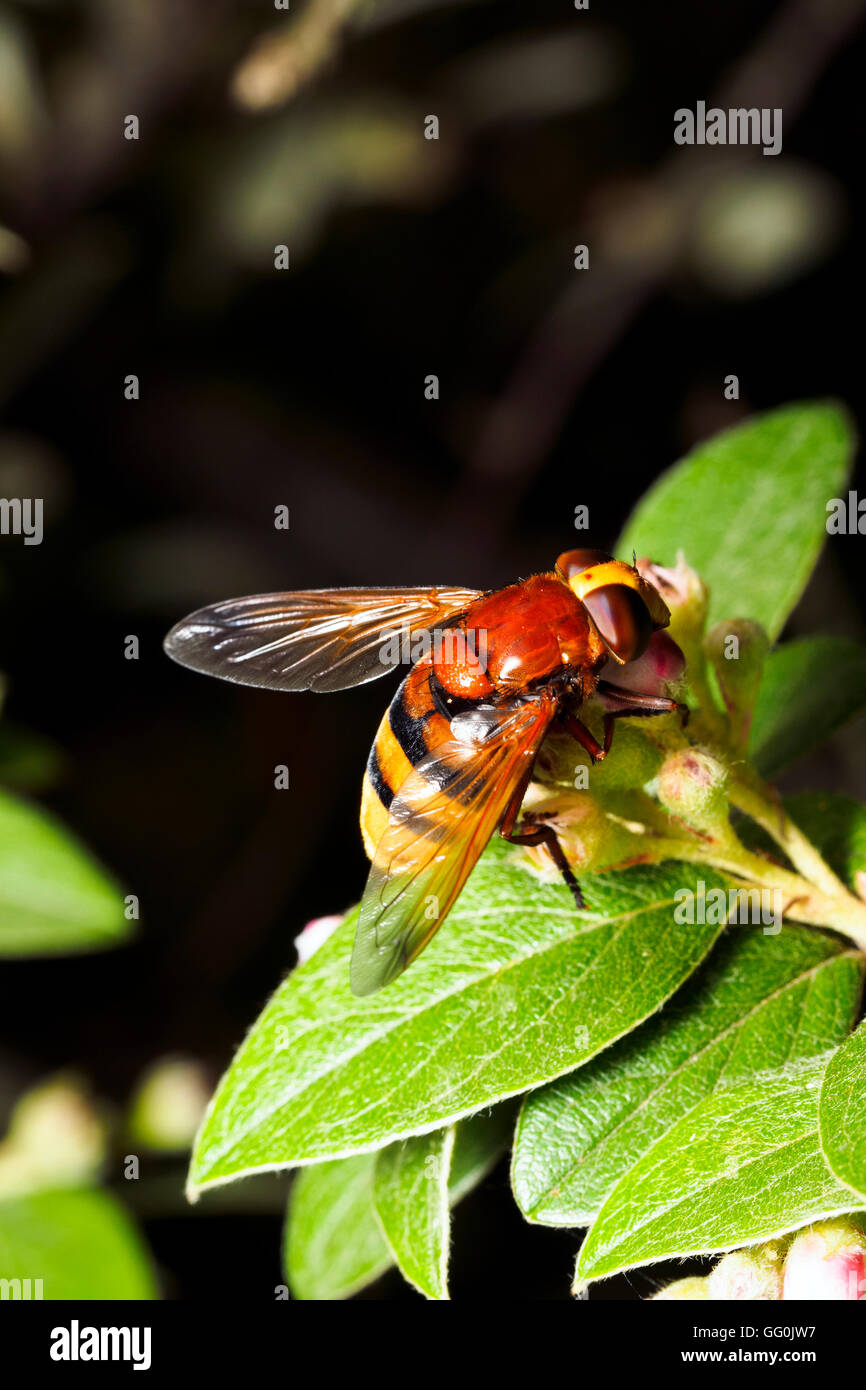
x: 318, y: 639
x: 439, y: 823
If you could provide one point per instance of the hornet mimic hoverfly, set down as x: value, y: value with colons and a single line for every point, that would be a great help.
x: 454, y: 753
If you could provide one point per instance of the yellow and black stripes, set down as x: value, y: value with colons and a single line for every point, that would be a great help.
x: 413, y: 726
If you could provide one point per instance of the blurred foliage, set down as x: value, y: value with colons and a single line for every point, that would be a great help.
x: 53, y: 896
x: 534, y: 77
x: 56, y: 1226
x: 56, y: 1138
x: 58, y: 1221
x: 760, y: 228
x: 284, y: 179
x: 168, y: 1104
x: 80, y: 1244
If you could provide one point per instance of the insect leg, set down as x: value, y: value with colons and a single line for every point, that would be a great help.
x: 583, y: 736
x: 537, y: 835
x: 632, y: 705
x: 546, y: 835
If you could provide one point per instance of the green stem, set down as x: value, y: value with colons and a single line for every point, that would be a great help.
x: 763, y: 808
x: 801, y: 900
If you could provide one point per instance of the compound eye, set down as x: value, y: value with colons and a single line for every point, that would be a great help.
x: 572, y: 562
x: 622, y: 618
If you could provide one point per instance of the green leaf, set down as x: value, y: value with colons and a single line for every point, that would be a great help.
x: 80, y: 1243
x: 410, y: 1192
x: 745, y: 1165
x: 481, y: 1141
x: 809, y: 689
x: 516, y: 989
x: 749, y: 510
x: 842, y: 1113
x: 759, y: 1002
x: 54, y: 898
x: 334, y: 1245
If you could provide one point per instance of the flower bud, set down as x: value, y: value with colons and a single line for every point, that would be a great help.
x: 633, y: 761
x: 687, y: 598
x: 685, y: 594
x: 737, y: 650
x: 828, y: 1261
x: 754, y: 1274
x: 168, y: 1105
x: 562, y: 762
x: 691, y: 1289
x: 661, y: 666
x: 590, y: 839
x: 691, y: 786
x: 56, y: 1138
x: 314, y: 935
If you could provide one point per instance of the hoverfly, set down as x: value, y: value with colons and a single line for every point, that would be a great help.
x: 454, y: 753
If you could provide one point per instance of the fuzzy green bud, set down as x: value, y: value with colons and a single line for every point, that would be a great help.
x: 692, y: 786
x: 737, y: 650
x: 692, y: 1290
x: 754, y: 1274
x: 634, y: 759
x: 591, y: 840
x: 561, y: 762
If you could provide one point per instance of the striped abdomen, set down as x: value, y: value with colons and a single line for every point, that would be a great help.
x: 411, y: 728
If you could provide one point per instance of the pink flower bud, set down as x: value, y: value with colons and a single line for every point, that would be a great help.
x: 314, y: 935
x: 685, y: 594
x: 827, y: 1262
x: 681, y: 587
x: 661, y: 665
x: 692, y: 786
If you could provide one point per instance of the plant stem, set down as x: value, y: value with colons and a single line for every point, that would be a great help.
x: 759, y: 803
x: 801, y: 900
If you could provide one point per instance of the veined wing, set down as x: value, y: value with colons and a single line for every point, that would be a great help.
x: 316, y: 639
x: 439, y: 823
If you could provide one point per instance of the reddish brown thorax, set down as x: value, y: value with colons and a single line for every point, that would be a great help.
x: 525, y: 632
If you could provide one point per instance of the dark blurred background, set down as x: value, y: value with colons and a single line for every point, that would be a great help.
x: 305, y: 388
